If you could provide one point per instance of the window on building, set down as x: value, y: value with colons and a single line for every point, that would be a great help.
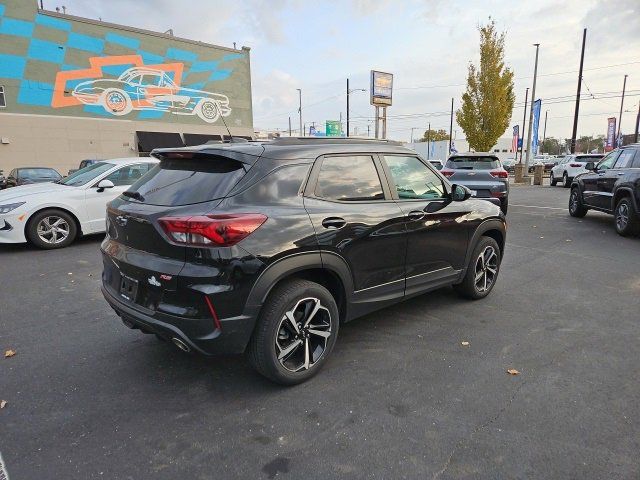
x: 3, y: 102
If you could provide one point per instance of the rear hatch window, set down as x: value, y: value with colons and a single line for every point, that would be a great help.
x: 588, y: 158
x: 473, y: 163
x: 178, y: 182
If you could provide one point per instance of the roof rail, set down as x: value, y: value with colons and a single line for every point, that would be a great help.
x: 329, y: 140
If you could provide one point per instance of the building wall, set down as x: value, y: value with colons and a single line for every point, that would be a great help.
x: 77, y: 88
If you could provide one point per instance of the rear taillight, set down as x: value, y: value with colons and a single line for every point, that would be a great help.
x: 499, y: 173
x: 211, y: 230
x: 446, y: 172
x: 575, y: 165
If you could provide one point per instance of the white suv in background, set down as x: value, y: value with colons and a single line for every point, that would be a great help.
x: 570, y: 166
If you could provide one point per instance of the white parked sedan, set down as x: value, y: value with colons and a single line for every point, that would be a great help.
x: 570, y: 167
x: 52, y: 215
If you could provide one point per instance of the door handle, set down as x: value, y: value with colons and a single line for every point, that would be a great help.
x: 334, y: 222
x: 621, y: 173
x: 416, y: 215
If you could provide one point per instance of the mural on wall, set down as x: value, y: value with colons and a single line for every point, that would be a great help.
x: 143, y: 87
x: 58, y: 66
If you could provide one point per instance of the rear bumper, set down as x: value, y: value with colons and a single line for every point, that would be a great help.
x: 201, y: 335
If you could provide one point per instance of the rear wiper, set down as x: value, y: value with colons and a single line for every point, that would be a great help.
x: 134, y: 195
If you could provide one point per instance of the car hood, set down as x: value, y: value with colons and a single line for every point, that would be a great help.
x: 23, y: 192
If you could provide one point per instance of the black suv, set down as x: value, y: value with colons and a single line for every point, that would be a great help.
x: 611, y: 186
x: 266, y: 248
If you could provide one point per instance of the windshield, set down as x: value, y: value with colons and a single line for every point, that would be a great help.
x: 38, y: 173
x: 86, y: 174
x: 473, y: 163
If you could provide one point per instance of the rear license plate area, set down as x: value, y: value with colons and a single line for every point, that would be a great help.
x: 128, y: 288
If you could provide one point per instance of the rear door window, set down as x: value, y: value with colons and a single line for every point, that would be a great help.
x: 128, y: 175
x: 625, y: 159
x: 175, y: 182
x: 473, y: 163
x: 349, y: 179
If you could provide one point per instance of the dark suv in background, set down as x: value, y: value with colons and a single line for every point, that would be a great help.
x: 611, y: 186
x: 266, y: 248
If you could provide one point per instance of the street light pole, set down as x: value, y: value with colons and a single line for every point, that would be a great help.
x: 635, y: 140
x: 348, y: 107
x: 300, y: 110
x: 533, y: 99
x: 428, y: 140
x: 450, y: 127
x: 624, y: 87
x: 572, y: 147
x: 524, y: 120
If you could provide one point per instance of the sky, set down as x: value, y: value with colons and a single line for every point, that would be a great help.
x: 426, y: 44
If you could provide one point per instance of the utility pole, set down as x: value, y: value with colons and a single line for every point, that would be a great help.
x: 300, y: 111
x: 544, y: 134
x: 347, y: 107
x: 624, y: 87
x: 428, y: 140
x: 572, y: 147
x: 635, y: 140
x: 524, y: 120
x: 289, y: 125
x: 450, y: 127
x: 533, y: 99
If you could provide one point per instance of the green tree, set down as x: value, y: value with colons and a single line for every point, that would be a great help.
x: 552, y: 146
x: 488, y: 102
x: 435, y: 135
x: 588, y: 143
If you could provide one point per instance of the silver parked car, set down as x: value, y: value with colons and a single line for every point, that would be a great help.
x: 482, y: 173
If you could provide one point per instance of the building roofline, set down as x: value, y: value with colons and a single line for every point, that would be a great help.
x: 118, y: 26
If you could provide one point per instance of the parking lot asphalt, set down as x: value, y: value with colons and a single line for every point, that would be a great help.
x: 401, y: 397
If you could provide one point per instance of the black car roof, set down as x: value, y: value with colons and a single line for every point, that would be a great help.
x: 291, y: 148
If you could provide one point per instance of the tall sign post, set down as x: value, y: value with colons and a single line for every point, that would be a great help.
x: 381, y: 98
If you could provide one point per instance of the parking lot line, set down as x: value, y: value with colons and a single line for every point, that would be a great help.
x: 538, y: 206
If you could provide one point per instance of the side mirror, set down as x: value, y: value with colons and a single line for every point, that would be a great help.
x: 103, y: 184
x: 590, y: 166
x: 460, y: 193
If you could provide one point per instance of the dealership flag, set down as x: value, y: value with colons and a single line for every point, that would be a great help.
x: 537, y: 105
x: 611, y: 134
x: 514, y: 140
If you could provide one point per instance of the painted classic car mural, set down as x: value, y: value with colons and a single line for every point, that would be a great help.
x: 141, y: 88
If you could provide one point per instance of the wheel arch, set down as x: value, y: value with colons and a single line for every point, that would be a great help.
x: 493, y: 228
x: 68, y: 211
x: 621, y: 193
x: 308, y: 266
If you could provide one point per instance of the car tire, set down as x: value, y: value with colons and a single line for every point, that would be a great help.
x: 473, y: 285
x: 208, y: 110
x: 566, y: 183
x: 626, y: 218
x: 116, y: 102
x: 552, y: 180
x: 51, y: 229
x: 576, y: 207
x: 285, y: 351
x: 504, y: 205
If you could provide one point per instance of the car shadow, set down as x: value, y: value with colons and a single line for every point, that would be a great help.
x: 231, y: 376
x: 8, y: 248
